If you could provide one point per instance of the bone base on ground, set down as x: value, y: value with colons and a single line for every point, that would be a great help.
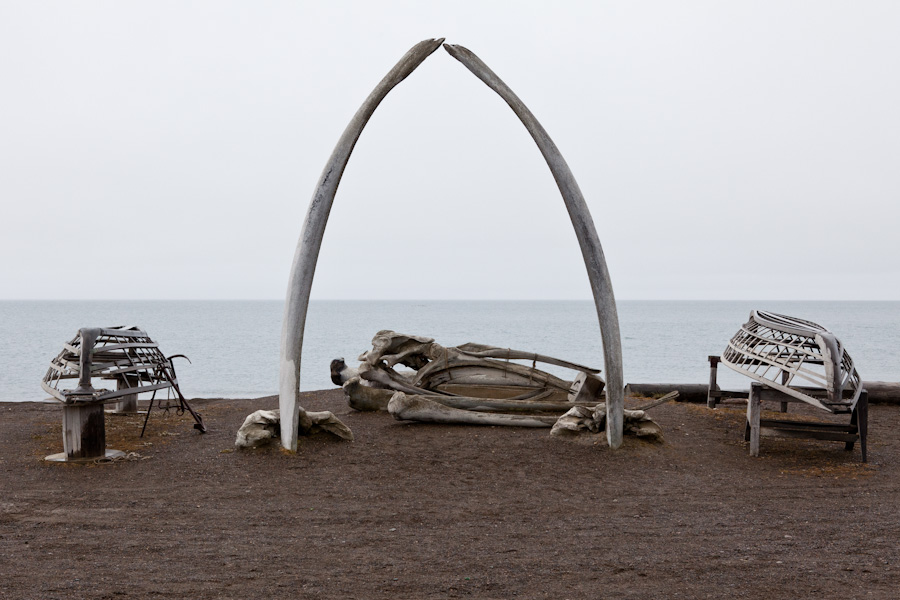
x: 263, y: 426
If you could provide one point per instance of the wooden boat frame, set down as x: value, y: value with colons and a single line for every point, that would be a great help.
x: 796, y: 357
x: 126, y: 355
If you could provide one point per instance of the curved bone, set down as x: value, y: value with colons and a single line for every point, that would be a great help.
x: 390, y: 379
x: 504, y: 405
x: 594, y: 261
x: 480, y: 376
x: 418, y: 408
x: 307, y: 253
x: 483, y: 351
x: 364, y: 398
x: 393, y: 348
x: 426, y: 375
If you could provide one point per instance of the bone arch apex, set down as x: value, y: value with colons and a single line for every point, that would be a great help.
x: 306, y: 255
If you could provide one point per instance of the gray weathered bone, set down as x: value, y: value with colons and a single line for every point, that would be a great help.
x: 263, y: 425
x: 385, y: 377
x: 405, y: 407
x: 469, y: 365
x: 486, y: 368
x: 341, y: 373
x: 307, y: 253
x: 484, y: 351
x: 594, y: 261
x: 366, y: 398
x: 585, y: 388
x: 503, y: 405
x: 581, y: 420
x: 392, y: 348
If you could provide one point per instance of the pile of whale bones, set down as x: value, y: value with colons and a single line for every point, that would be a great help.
x: 470, y: 384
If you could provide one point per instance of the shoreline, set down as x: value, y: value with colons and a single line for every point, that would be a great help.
x: 880, y: 392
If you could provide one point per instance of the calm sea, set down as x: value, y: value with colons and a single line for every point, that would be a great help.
x: 233, y: 345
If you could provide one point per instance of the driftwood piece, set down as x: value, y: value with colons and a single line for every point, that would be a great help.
x: 404, y: 407
x: 263, y: 426
x: 654, y: 403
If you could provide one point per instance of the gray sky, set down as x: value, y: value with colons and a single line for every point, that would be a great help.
x: 727, y: 150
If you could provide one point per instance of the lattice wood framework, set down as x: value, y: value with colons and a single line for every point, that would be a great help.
x: 123, y: 354
x: 126, y: 355
x: 790, y: 354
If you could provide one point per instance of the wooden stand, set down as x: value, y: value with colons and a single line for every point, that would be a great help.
x: 84, y: 434
x: 857, y: 429
x: 756, y: 426
x: 127, y: 404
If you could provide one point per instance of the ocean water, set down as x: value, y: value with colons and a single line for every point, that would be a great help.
x: 233, y: 345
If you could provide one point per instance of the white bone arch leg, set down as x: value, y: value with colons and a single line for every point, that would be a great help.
x: 594, y: 260
x: 307, y: 253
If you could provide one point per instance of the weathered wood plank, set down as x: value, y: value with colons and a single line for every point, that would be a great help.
x: 832, y: 436
x: 785, y: 424
x: 753, y: 418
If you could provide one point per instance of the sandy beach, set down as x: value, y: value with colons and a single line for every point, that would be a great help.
x: 428, y: 511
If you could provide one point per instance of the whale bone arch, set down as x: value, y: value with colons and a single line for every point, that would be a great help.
x: 307, y: 253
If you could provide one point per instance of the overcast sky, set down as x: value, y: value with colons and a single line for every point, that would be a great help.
x: 727, y: 150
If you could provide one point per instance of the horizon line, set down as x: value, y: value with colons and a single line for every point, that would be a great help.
x: 444, y: 300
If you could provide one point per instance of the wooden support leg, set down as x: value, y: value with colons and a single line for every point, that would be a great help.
x: 128, y: 404
x: 785, y: 378
x: 84, y: 431
x: 84, y: 434
x: 711, y: 400
x: 753, y: 410
x: 862, y: 412
x: 854, y: 426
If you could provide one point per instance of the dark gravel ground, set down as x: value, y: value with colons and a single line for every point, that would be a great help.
x: 429, y: 511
